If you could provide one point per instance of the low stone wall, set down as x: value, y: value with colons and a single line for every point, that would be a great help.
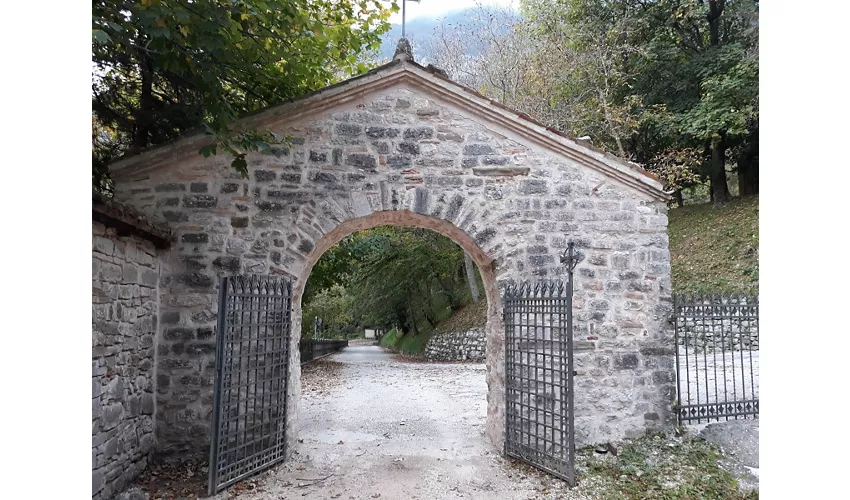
x: 125, y: 276
x: 725, y: 335
x: 717, y: 323
x: 457, y: 346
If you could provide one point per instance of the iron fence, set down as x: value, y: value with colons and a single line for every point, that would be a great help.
x: 717, y: 357
x: 312, y: 349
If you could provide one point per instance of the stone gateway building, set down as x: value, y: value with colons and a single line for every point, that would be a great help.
x: 404, y: 145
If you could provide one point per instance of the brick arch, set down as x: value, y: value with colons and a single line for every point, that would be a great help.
x: 486, y: 264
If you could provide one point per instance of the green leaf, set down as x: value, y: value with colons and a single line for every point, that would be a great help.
x: 100, y: 36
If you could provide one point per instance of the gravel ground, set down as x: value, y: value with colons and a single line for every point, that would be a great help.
x: 734, y: 376
x: 376, y: 426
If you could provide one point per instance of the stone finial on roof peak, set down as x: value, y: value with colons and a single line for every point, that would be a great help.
x: 403, y: 51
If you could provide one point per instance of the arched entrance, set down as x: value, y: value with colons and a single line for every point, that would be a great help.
x: 495, y: 332
x: 402, y: 145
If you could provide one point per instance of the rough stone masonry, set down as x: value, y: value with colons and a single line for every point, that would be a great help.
x: 124, y: 307
x: 457, y: 346
x: 403, y: 145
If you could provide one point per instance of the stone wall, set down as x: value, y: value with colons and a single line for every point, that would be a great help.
x: 702, y: 335
x: 125, y: 274
x: 404, y: 156
x: 457, y: 346
x: 709, y: 323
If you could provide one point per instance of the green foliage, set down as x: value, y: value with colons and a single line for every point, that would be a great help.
x: 389, y: 277
x: 162, y: 67
x: 333, y: 306
x: 414, y: 344
x: 715, y: 249
x: 406, y: 343
x: 391, y: 338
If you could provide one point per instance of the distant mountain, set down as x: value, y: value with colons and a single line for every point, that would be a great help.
x: 420, y: 31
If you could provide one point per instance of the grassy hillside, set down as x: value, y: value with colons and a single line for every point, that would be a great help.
x: 716, y: 249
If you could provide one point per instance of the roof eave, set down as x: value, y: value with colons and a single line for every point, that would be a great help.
x: 417, y: 76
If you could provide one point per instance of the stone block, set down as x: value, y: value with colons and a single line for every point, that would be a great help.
x: 147, y: 403
x: 399, y: 161
x: 264, y: 175
x: 361, y: 160
x: 197, y: 281
x: 178, y: 334
x: 418, y: 133
x: 376, y: 132
x: 112, y: 414
x: 96, y: 481
x: 195, y: 238
x: 626, y: 362
x: 348, y: 130
x: 130, y: 273
x: 534, y: 186
x: 200, y: 201
x: 478, y: 149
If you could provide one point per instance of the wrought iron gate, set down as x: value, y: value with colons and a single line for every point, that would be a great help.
x: 252, y: 362
x: 539, y: 421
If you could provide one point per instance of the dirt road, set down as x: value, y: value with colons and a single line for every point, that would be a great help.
x: 375, y: 426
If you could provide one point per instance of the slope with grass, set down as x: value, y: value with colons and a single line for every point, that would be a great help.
x: 716, y: 249
x: 469, y: 316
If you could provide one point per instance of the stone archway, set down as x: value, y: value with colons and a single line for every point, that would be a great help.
x: 407, y: 145
x: 495, y: 332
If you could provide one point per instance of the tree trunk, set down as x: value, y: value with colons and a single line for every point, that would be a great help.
x: 470, y: 276
x: 719, y: 188
x: 715, y: 10
x: 748, y: 167
x: 412, y: 316
x: 146, y: 105
x: 680, y: 201
x: 748, y: 176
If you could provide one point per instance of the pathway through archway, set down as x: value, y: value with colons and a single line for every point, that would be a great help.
x: 376, y: 425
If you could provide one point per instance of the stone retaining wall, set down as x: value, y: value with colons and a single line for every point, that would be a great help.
x: 723, y: 335
x: 717, y: 323
x: 457, y: 346
x: 125, y: 272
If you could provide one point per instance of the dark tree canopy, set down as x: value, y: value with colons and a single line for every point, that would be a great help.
x: 389, y: 277
x: 161, y: 67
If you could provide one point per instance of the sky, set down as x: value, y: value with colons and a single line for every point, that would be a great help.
x: 438, y: 8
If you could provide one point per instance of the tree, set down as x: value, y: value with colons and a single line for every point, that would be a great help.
x: 162, y: 67
x: 670, y: 84
x: 388, y: 276
x: 701, y: 64
x: 470, y: 276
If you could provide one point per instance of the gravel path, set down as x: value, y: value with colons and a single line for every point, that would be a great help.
x: 376, y: 426
x: 733, y: 376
